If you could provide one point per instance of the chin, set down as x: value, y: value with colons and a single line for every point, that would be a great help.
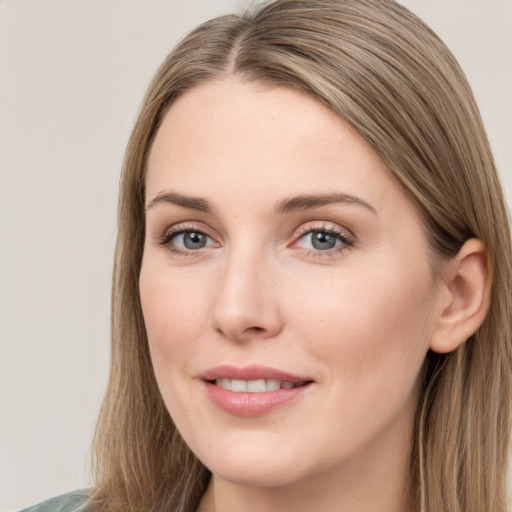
x: 269, y: 474
x: 253, y: 468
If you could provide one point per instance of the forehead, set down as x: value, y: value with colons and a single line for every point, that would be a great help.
x: 227, y: 138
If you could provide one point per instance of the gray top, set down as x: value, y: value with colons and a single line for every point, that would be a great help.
x: 75, y: 501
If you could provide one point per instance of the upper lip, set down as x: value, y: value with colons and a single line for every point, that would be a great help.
x: 252, y: 372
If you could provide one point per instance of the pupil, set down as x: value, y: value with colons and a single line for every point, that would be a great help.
x: 194, y: 240
x: 322, y: 241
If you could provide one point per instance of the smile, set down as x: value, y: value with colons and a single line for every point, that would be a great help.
x: 256, y: 386
x: 252, y: 391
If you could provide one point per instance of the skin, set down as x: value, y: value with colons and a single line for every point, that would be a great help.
x: 357, y: 319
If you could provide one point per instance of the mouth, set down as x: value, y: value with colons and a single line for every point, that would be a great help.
x: 253, y: 378
x: 254, y: 390
x: 257, y: 385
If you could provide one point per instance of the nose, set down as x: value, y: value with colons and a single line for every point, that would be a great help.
x: 247, y: 304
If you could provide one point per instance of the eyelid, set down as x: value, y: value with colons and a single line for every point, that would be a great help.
x: 343, y: 234
x: 327, y: 226
x: 175, y: 230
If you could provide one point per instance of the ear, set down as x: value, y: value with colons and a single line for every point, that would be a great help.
x: 465, y: 297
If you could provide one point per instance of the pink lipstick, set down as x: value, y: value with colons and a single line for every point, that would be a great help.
x: 253, y: 390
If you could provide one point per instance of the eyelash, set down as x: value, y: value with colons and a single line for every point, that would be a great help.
x: 347, y: 241
x: 180, y: 229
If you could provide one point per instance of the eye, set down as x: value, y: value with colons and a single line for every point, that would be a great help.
x: 191, y: 240
x: 324, y: 240
x: 186, y: 240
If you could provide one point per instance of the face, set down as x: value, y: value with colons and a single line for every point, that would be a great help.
x: 286, y: 287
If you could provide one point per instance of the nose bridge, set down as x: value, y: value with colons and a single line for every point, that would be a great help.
x: 246, y: 305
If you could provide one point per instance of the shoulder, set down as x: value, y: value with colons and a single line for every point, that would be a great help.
x: 75, y: 501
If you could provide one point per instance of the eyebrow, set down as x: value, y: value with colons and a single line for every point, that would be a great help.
x: 192, y: 203
x: 294, y: 204
x: 307, y: 202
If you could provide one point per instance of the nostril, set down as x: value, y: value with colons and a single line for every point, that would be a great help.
x: 255, y: 329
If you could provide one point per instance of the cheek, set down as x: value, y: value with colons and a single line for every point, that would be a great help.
x: 174, y: 313
x: 370, y: 337
x: 373, y: 328
x: 174, y: 316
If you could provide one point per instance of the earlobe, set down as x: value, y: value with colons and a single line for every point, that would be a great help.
x: 466, y: 296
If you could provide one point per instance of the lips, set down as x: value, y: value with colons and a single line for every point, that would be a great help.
x: 256, y: 385
x: 253, y: 390
x: 253, y: 372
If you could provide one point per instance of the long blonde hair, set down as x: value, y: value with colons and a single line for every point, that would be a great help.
x: 385, y: 72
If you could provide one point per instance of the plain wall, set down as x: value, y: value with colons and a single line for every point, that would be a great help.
x: 72, y: 75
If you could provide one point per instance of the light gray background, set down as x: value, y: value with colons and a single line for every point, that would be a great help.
x: 72, y: 75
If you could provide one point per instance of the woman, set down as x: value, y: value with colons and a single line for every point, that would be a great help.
x: 311, y: 302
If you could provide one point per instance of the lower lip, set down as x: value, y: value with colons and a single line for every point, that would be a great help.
x: 250, y: 405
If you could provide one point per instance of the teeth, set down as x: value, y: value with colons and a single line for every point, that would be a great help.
x: 238, y: 386
x: 224, y: 383
x: 273, y: 384
x: 255, y: 386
